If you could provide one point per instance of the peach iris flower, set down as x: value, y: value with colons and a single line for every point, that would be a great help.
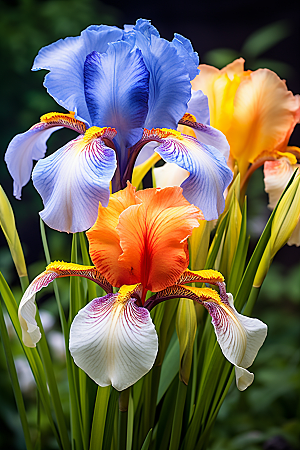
x: 254, y: 110
x: 139, y: 244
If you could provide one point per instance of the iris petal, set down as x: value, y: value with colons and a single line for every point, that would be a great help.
x: 198, y: 106
x: 239, y: 337
x: 27, y: 309
x: 65, y: 60
x: 189, y: 56
x: 23, y: 150
x: 72, y: 181
x: 209, y: 173
x: 114, y: 341
x: 116, y: 89
x: 169, y: 85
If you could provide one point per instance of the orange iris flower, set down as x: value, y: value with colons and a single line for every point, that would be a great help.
x: 139, y: 244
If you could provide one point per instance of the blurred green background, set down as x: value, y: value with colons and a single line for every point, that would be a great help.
x: 267, y: 415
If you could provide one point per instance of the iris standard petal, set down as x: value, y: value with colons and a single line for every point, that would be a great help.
x: 169, y: 85
x: 153, y: 225
x: 113, y: 340
x: 27, y: 309
x: 189, y: 56
x: 116, y: 87
x: 31, y: 146
x: 65, y: 60
x: 198, y: 107
x: 209, y: 173
x: 146, y: 28
x: 73, y: 180
x: 155, y: 232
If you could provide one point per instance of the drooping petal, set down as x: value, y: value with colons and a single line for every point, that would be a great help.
x: 276, y: 176
x: 31, y: 146
x: 113, y: 340
x: 65, y: 60
x: 73, y: 180
x: 116, y: 90
x: 209, y: 173
x: 207, y: 135
x: 27, y: 309
x: 169, y: 84
x: 239, y: 337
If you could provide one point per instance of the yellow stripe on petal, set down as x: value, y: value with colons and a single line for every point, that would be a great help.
x: 65, y: 120
x: 201, y: 276
x: 96, y: 132
x: 127, y: 292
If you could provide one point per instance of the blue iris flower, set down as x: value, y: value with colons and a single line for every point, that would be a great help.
x: 123, y: 89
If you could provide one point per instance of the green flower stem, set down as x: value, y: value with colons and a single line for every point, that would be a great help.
x: 123, y: 419
x: 48, y: 365
x: 14, y: 380
x: 99, y: 418
x: 178, y: 416
x: 24, y: 282
x: 251, y: 300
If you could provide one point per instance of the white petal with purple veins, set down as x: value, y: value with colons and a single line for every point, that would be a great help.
x: 114, y: 342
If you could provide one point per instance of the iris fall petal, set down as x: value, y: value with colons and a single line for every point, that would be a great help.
x: 114, y: 341
x: 72, y: 181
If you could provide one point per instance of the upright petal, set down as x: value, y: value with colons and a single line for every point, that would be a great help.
x: 104, y: 239
x: 209, y: 173
x: 27, y: 309
x: 113, y: 340
x: 189, y: 56
x: 198, y: 107
x: 116, y: 87
x: 65, y: 59
x: 31, y: 146
x: 265, y: 114
x: 73, y: 180
x: 169, y: 84
x: 155, y: 232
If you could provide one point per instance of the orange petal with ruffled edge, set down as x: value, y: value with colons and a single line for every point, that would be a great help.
x: 153, y: 237
x: 104, y: 239
x: 265, y: 114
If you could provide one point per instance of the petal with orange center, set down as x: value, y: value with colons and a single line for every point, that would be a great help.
x: 153, y: 237
x: 264, y: 116
x: 104, y: 239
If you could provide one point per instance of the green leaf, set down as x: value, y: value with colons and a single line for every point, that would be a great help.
x: 14, y: 380
x: 220, y: 57
x: 170, y: 368
x: 265, y: 38
x: 147, y: 441
x: 99, y: 417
